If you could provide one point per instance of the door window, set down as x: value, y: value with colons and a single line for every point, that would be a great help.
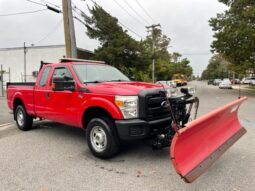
x: 63, y: 72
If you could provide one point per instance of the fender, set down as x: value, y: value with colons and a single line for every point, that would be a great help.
x: 29, y: 107
x: 104, y: 103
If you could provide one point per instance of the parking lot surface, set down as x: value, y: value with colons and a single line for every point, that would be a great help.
x: 56, y: 157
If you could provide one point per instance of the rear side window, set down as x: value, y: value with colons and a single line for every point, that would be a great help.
x: 44, y: 76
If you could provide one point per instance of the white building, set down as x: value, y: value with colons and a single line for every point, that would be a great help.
x: 13, y: 59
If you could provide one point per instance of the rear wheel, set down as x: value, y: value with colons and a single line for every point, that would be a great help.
x: 23, y: 120
x: 102, y: 138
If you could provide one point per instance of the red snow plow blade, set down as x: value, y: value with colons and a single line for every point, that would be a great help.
x: 195, y: 147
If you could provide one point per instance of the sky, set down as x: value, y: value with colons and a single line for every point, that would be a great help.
x: 184, y: 21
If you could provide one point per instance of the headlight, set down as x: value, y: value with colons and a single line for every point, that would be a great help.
x: 172, y: 92
x: 128, y: 106
x: 188, y: 91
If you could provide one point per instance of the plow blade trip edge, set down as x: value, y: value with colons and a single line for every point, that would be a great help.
x: 197, y: 146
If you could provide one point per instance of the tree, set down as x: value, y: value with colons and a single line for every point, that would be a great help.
x: 166, y: 64
x: 217, y: 68
x: 235, y: 34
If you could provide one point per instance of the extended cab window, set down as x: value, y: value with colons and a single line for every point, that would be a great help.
x: 44, y: 76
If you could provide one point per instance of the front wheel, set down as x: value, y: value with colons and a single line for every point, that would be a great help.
x: 102, y: 138
x: 23, y: 120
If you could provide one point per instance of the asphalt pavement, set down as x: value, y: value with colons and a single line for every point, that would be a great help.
x: 5, y: 116
x: 55, y: 157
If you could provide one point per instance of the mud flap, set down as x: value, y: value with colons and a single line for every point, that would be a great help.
x: 197, y: 146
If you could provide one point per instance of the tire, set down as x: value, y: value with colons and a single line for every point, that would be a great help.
x: 23, y: 120
x: 102, y: 137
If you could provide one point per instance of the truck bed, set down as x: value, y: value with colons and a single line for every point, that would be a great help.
x: 24, y: 91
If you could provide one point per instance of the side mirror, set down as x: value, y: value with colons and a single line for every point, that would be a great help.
x: 60, y: 83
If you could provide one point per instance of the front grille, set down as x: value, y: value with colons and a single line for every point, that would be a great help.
x: 154, y: 107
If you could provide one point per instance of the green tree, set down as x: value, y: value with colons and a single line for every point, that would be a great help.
x: 235, y: 34
x: 217, y: 68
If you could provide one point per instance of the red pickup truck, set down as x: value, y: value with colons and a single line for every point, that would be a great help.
x: 111, y: 108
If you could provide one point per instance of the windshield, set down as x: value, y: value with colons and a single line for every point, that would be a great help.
x: 95, y: 73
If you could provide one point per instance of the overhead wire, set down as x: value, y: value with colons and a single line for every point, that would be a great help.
x: 126, y: 11
x: 51, y: 32
x: 22, y: 13
x: 123, y: 25
x: 136, y: 12
x: 36, y: 2
x: 80, y: 15
x: 144, y: 10
x: 47, y: 2
x: 130, y: 29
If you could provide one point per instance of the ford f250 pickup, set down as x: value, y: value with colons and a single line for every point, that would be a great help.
x: 111, y: 108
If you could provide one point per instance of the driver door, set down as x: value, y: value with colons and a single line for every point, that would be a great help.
x: 63, y: 105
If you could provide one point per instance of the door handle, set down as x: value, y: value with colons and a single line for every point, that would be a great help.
x: 47, y: 95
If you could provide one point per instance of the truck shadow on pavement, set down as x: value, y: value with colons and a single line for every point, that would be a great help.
x: 141, y: 149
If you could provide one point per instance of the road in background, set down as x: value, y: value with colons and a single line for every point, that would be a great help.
x: 5, y: 116
x: 56, y: 157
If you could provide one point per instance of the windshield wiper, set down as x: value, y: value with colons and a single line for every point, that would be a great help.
x: 119, y: 80
x: 96, y: 81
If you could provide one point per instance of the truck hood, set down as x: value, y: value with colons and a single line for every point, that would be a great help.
x: 121, y: 88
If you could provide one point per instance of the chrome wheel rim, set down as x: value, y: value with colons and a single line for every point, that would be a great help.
x: 98, y: 138
x: 20, y: 118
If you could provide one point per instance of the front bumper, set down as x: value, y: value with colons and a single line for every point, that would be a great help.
x: 135, y: 129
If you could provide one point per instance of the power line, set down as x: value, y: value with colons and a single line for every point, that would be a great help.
x: 128, y: 12
x: 76, y: 7
x: 22, y: 13
x: 136, y: 12
x: 47, y: 2
x: 51, y: 32
x: 36, y: 2
x: 130, y: 29
x: 144, y: 10
x: 123, y: 24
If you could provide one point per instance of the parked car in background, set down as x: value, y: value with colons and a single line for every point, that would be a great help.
x: 225, y: 84
x: 217, y: 82
x: 252, y: 82
x: 247, y: 80
x: 180, y: 79
x: 210, y: 81
x: 235, y: 81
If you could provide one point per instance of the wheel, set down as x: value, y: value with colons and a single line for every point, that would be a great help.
x: 23, y: 120
x: 102, y: 137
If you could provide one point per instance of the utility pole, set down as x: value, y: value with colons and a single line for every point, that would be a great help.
x: 153, y: 27
x: 25, y: 62
x: 71, y: 50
